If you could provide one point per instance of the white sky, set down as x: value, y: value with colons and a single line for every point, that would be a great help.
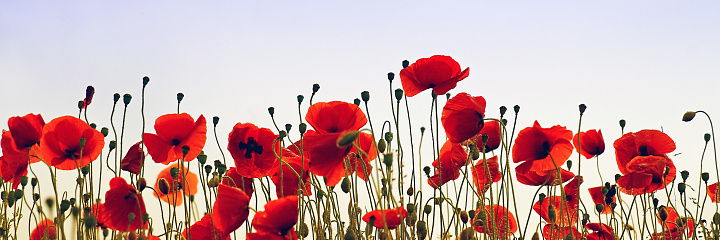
x: 644, y: 61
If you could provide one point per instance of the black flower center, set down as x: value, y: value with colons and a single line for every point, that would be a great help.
x: 545, y: 150
x: 643, y: 151
x: 250, y: 147
x: 176, y: 142
x: 72, y: 154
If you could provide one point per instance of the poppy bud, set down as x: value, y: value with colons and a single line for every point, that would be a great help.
x: 174, y: 172
x: 126, y: 99
x: 81, y: 104
x: 141, y: 184
x: 82, y: 142
x: 427, y: 209
x: 464, y: 216
x: 707, y: 137
x: 23, y: 180
x: 410, y: 207
x: 535, y: 236
x: 426, y: 169
x: 112, y: 145
x: 422, y: 130
x: 36, y: 197
x: 582, y: 108
x: 282, y: 134
x: 146, y: 80
x: 132, y: 235
x: 303, y: 230
x: 551, y: 213
x: 569, y: 164
x: 180, y: 97
x: 688, y: 116
x: 93, y: 125
x: 705, y: 176
x: 516, y: 108
x: 302, y: 128
x: 131, y: 217
x: 391, y: 76
x: 345, y: 185
x: 541, y: 198
x: 271, y: 110
x: 288, y: 127
x: 410, y: 191
x: 716, y: 218
x: 85, y: 170
x: 64, y: 205
x: 33, y: 182
x: 105, y: 232
x: 381, y: 145
x: 599, y: 207
x: 399, y: 93
x: 447, y: 95
x: 116, y: 97
x: 214, y: 181
x: 405, y: 63
x: 684, y: 175
x: 86, y: 197
x: 421, y: 230
x: 347, y: 138
x: 475, y: 153
x: 662, y: 213
x: 216, y: 119
x: 504, y: 122
x: 569, y: 237
x: 104, y: 131
x: 49, y: 201
x: 300, y: 98
x: 617, y: 176
x: 356, y: 101
x: 208, y: 169
x: 388, y: 160
x: 667, y: 170
x: 18, y: 194
x: 365, y: 95
x: 202, y: 158
x: 388, y: 136
x: 185, y: 150
x: 681, y: 188
x: 163, y: 186
x: 217, y: 163
x: 622, y: 123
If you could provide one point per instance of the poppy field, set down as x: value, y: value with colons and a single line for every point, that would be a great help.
x: 337, y: 173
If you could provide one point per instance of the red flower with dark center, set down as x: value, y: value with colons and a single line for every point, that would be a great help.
x: 335, y: 117
x: 555, y: 232
x: 492, y: 130
x: 285, y: 179
x: 252, y: 149
x: 646, y: 174
x: 390, y: 217
x: 326, y: 158
x: 674, y: 228
x: 60, y: 144
x: 233, y: 179
x: 599, y: 198
x: 441, y: 73
x: 499, y: 221
x: 712, y: 192
x: 482, y: 177
x: 173, y: 132
x: 134, y: 159
x: 601, y: 231
x: 591, y: 143
x: 526, y: 174
x: 565, y: 207
x: 44, y: 230
x: 641, y: 144
x: 187, y: 184
x: 447, y: 167
x: 543, y: 148
x: 205, y: 229
x: 462, y: 117
x: 230, y: 210
x: 120, y: 201
x: 279, y: 217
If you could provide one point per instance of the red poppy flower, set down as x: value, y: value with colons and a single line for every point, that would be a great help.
x: 441, y: 73
x: 205, y: 229
x: 599, y: 198
x: 133, y: 160
x: 173, y: 132
x: 499, y: 221
x: 674, y: 228
x: 96, y: 211
x: 188, y: 184
x: 328, y: 160
x: 285, y: 179
x: 543, y: 148
x: 279, y: 217
x: 120, y: 201
x: 26, y: 131
x: 712, y: 192
x: 565, y: 208
x: 462, y: 117
x: 555, y: 232
x: 89, y: 92
x: 60, y: 143
x: 230, y: 210
x: 646, y: 174
x: 44, y: 230
x: 335, y: 117
x: 527, y: 175
x: 368, y: 153
x: 234, y: 179
x: 492, y: 130
x: 252, y: 148
x: 390, y: 217
x: 601, y: 231
x: 591, y: 143
x: 271, y: 236
x: 482, y: 177
x: 447, y: 167
x: 640, y: 144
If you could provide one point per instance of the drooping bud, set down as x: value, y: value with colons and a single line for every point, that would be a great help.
x: 141, y: 184
x: 381, y: 145
x: 464, y: 216
x: 345, y: 185
x: 112, y: 145
x: 347, y: 139
x: 662, y: 213
x: 426, y: 169
x: 163, y: 186
x: 688, y: 116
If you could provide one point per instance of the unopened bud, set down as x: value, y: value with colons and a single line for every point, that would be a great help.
x: 662, y: 213
x: 126, y: 99
x: 706, y: 137
x: 288, y: 127
x: 381, y: 145
x: 347, y: 139
x: 302, y: 128
x: 214, y: 181
x: 582, y: 108
x: 388, y: 160
x: 599, y: 207
x: 427, y: 209
x: 365, y: 95
x: 399, y: 93
x: 684, y: 174
x: 141, y: 184
x: 185, y: 150
x: 163, y: 186
x: 300, y: 98
x: 271, y: 110
x: 688, y: 116
x: 345, y: 185
x: 104, y: 131
x: 464, y: 216
x: 315, y: 88
x: 516, y: 108
x: 116, y: 97
x: 216, y: 120
x: 391, y: 76
x: 622, y: 123
x: 705, y: 176
x: 569, y: 164
x: 405, y: 63
x: 388, y: 136
x: 146, y: 80
x: 551, y: 213
x: 681, y: 188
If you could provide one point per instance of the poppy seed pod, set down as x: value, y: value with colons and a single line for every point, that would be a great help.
x: 381, y: 145
x: 302, y: 128
x: 64, y: 205
x: 104, y: 131
x: 622, y: 123
x: 541, y: 198
x: 208, y: 169
x: 399, y: 93
x: 410, y: 191
x: 141, y: 184
x: 688, y: 116
x: 503, y: 109
x: 146, y: 80
x: 516, y: 108
x: 315, y: 88
x: 300, y: 98
x: 185, y: 150
x: 347, y: 138
x: 707, y: 137
x: 116, y: 97
x: 426, y: 169
x: 345, y: 185
x: 681, y: 188
x: 388, y: 160
x: 405, y: 63
x: 288, y: 127
x: 112, y: 145
x: 180, y: 97
x: 427, y: 209
x: 202, y: 158
x: 684, y: 174
x: 582, y: 108
x: 551, y: 213
x: 662, y: 213
x: 126, y: 99
x: 391, y: 76
x: 569, y: 164
x: 81, y: 104
x: 705, y: 177
x: 23, y: 180
x: 365, y: 95
x: 33, y: 182
x: 356, y: 101
x: 216, y: 120
x: 388, y: 136
x: 464, y: 217
x: 163, y: 186
x: 599, y: 207
x: 271, y: 110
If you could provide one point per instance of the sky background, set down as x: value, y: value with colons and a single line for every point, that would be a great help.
x: 643, y: 61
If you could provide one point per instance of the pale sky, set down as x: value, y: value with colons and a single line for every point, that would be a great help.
x: 644, y: 61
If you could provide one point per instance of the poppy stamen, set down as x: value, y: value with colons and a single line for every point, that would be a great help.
x: 250, y: 147
x: 175, y: 142
x: 643, y: 151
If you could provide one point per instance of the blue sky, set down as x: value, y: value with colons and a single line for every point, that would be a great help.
x: 644, y: 61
